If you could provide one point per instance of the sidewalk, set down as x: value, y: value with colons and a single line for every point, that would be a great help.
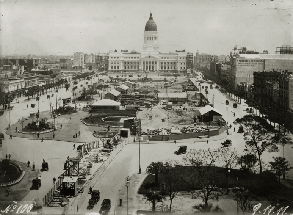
x: 135, y: 201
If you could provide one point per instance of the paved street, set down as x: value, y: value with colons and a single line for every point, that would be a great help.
x: 126, y: 162
x: 23, y: 149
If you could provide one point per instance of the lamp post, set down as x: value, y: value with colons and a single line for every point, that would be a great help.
x: 127, y: 184
x: 9, y: 113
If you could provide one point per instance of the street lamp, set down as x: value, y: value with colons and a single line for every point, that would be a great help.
x: 127, y: 184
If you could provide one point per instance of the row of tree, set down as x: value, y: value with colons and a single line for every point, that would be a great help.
x: 200, y: 177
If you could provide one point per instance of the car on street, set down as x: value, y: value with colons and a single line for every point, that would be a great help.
x: 1, y: 136
x: 181, y: 150
x: 105, y: 207
x: 227, y: 102
x: 234, y: 105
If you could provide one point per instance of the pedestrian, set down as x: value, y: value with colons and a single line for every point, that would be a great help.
x: 26, y: 106
x: 53, y: 135
x: 61, y: 125
x: 34, y: 166
x: 175, y: 141
x: 10, y: 136
x: 9, y: 156
x: 54, y: 180
x: 8, y: 191
x: 76, y: 135
x: 28, y: 163
x: 234, y: 129
x: 73, y: 146
x: 234, y: 113
x: 42, y: 139
x: 6, y: 156
x: 38, y: 134
x: 207, y: 141
x: 79, y: 133
x: 16, y: 129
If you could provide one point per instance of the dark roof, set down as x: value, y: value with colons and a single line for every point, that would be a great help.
x: 150, y: 25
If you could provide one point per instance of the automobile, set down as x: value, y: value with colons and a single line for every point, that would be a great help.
x: 181, y: 150
x: 105, y: 207
x: 234, y: 105
x: 227, y: 143
x: 1, y: 136
x: 36, y: 184
x: 227, y: 102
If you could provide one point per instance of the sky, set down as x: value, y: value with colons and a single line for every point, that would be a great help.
x: 62, y: 27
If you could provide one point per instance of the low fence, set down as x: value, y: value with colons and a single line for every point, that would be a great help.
x: 187, y: 135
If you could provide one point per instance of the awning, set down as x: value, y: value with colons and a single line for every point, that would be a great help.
x: 70, y: 179
x: 207, y: 109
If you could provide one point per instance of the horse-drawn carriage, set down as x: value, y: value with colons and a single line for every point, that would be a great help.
x: 95, y: 197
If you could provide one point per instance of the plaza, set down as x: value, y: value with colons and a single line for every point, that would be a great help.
x: 100, y: 128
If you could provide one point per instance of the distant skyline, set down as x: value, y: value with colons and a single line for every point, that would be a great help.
x: 62, y: 27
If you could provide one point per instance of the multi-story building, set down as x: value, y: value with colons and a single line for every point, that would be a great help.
x: 89, y: 58
x: 78, y: 60
x: 150, y: 59
x: 66, y: 63
x: 285, y: 49
x: 189, y: 60
x: 102, y: 61
x: 266, y: 89
x: 202, y: 60
x: 11, y: 84
x: 223, y: 58
x: 274, y: 91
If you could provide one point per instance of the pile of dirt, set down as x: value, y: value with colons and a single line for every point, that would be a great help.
x: 159, y: 118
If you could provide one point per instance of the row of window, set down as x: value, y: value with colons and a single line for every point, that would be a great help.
x: 151, y: 38
x: 250, y: 60
x: 124, y: 57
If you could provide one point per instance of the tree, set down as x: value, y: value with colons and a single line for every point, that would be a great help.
x: 205, y: 177
x: 155, y: 168
x: 243, y: 197
x: 229, y: 158
x: 172, y: 180
x: 280, y: 165
x: 247, y: 161
x: 258, y: 134
x: 154, y: 197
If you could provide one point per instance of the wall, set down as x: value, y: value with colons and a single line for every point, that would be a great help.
x: 279, y: 64
x: 291, y: 94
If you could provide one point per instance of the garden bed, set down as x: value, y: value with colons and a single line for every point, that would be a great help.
x: 260, y: 185
x: 9, y: 171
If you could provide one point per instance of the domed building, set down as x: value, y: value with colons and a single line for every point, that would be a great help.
x: 150, y: 59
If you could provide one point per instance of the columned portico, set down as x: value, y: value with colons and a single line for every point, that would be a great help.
x: 149, y: 63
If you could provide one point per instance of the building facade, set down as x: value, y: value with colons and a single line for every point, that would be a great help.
x: 244, y: 65
x: 78, y: 60
x: 149, y: 59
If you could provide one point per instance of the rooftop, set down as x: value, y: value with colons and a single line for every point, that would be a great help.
x: 172, y: 95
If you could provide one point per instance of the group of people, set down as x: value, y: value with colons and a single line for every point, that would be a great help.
x: 75, y: 136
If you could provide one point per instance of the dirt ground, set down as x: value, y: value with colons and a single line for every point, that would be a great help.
x: 156, y: 117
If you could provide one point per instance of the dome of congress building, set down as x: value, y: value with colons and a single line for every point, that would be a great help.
x: 150, y: 25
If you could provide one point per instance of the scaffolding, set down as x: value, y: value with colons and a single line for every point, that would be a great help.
x: 285, y: 49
